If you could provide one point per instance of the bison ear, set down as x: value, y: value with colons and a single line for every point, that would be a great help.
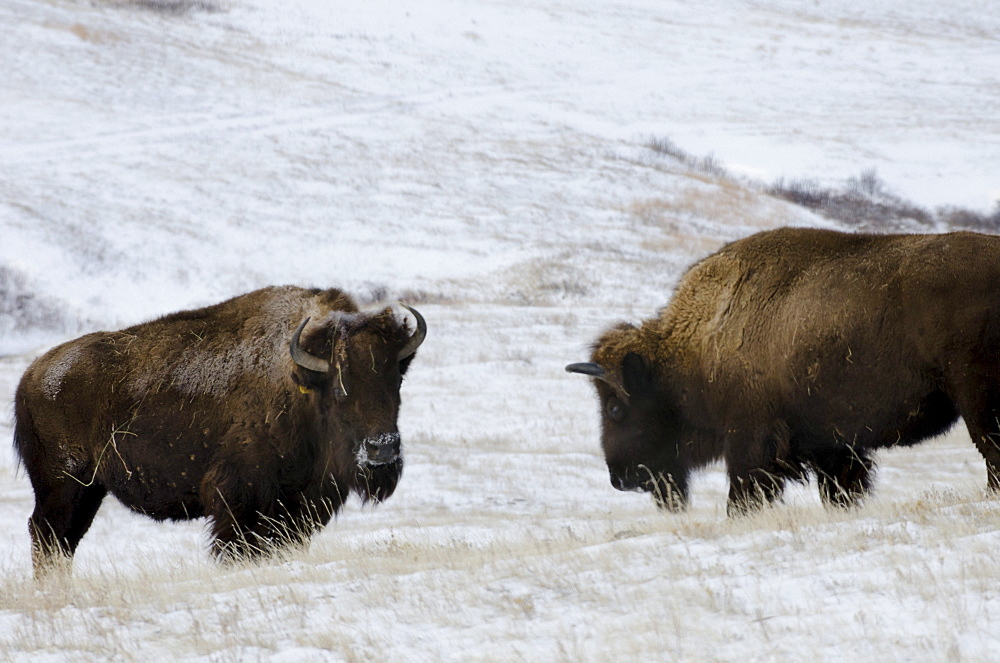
x: 636, y: 374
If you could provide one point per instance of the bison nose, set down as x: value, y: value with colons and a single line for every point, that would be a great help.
x: 626, y: 480
x: 379, y: 450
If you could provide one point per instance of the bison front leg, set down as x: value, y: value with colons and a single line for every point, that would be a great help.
x: 756, y: 476
x: 988, y: 443
x: 250, y: 519
x: 247, y: 534
x: 979, y: 404
x: 233, y: 538
x: 242, y: 528
x: 751, y: 490
x: 670, y: 493
x: 844, y: 476
x: 984, y: 429
x: 233, y: 495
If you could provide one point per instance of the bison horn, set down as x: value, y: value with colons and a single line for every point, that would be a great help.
x: 599, y: 372
x: 595, y: 370
x: 418, y: 336
x: 303, y: 358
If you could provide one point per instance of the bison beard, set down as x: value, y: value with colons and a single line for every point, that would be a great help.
x: 376, y: 483
x: 800, y: 351
x: 262, y: 413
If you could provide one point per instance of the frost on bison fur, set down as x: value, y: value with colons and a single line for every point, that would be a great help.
x: 262, y: 413
x: 801, y: 351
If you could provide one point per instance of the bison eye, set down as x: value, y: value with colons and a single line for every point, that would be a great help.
x: 615, y: 408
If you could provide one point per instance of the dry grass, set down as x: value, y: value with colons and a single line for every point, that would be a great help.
x: 522, y: 577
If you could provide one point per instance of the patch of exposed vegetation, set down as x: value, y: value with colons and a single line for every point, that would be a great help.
x: 863, y: 202
x: 171, y: 7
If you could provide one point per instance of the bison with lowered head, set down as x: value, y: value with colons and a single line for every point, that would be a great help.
x: 797, y: 351
x: 262, y: 413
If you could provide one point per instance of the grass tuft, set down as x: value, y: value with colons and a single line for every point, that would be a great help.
x: 708, y: 165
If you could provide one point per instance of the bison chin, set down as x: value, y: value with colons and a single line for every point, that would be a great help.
x: 669, y: 492
x: 376, y: 483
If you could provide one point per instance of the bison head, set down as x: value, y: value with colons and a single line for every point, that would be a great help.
x: 352, y: 365
x: 639, y: 432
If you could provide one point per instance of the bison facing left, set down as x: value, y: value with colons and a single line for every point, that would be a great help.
x: 262, y: 413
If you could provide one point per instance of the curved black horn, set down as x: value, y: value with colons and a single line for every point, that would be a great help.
x: 303, y: 358
x: 589, y: 368
x: 418, y: 336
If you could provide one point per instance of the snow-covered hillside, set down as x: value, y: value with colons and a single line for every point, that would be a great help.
x: 495, y: 164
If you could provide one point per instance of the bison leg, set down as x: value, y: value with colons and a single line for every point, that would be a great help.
x: 245, y: 535
x: 251, y: 520
x: 987, y: 440
x: 235, y: 529
x: 979, y: 405
x: 844, y: 476
x: 242, y: 531
x: 234, y: 493
x: 62, y: 516
x: 757, y: 469
x: 751, y: 490
x: 669, y: 493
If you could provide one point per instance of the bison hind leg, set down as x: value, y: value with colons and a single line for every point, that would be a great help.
x: 844, y: 475
x: 63, y: 514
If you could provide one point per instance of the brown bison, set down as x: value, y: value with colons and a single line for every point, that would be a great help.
x: 262, y: 413
x: 797, y: 351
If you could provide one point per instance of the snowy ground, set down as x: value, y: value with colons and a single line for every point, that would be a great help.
x: 488, y: 162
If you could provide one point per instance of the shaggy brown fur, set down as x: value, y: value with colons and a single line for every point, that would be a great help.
x: 204, y: 413
x: 798, y: 350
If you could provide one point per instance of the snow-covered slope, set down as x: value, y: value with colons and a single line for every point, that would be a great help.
x: 492, y: 163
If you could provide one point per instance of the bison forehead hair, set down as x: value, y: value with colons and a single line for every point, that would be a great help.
x: 322, y: 333
x: 610, y: 349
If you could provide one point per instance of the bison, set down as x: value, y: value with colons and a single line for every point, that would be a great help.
x: 263, y: 413
x: 800, y: 351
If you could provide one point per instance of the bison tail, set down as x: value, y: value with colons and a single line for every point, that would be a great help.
x: 26, y: 444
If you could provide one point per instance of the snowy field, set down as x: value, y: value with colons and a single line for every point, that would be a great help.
x: 490, y: 163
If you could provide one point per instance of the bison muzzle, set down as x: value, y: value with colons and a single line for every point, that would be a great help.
x: 262, y: 413
x: 799, y: 351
